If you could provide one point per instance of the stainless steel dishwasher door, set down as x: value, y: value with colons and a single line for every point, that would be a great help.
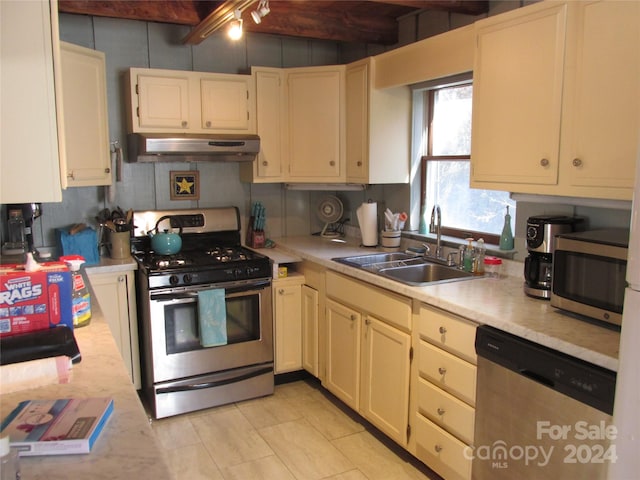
x: 528, y: 430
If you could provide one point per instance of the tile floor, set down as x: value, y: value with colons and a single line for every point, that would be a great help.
x: 300, y: 433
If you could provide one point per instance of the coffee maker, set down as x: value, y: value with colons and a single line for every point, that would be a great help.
x: 30, y: 211
x: 538, y: 266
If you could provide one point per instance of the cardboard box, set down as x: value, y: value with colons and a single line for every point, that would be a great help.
x: 31, y: 301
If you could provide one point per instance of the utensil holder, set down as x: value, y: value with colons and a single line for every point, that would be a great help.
x: 120, y: 245
x: 390, y: 240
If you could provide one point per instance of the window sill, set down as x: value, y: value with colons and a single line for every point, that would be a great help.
x: 453, y: 243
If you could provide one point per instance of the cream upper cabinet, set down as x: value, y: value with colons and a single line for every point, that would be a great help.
x: 316, y: 120
x: 175, y: 101
x: 86, y: 128
x: 556, y: 99
x: 378, y: 127
x: 601, y: 124
x: 517, y: 93
x: 31, y: 153
x: 271, y: 127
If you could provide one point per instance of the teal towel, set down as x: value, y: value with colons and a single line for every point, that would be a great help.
x: 212, y: 316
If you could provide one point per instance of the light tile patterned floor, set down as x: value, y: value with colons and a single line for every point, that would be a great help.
x: 299, y: 433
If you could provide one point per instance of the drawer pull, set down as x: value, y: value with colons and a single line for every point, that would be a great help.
x: 441, y: 411
x: 442, y: 370
x: 544, y: 162
x: 442, y: 330
x: 437, y: 448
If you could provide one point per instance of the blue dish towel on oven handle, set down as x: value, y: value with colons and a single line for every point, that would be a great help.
x: 212, y: 317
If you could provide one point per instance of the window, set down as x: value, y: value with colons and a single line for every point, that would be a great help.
x: 445, y: 168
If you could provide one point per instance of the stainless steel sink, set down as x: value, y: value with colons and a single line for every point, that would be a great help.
x: 406, y: 268
x: 425, y: 273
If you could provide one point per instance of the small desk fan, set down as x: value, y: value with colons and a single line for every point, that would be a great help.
x: 330, y: 210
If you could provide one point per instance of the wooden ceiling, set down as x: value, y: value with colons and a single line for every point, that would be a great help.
x: 366, y: 21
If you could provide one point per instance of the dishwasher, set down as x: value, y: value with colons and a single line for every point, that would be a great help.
x: 540, y: 413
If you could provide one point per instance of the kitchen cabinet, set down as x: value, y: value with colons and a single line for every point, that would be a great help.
x: 86, y: 129
x: 287, y: 304
x: 556, y: 99
x: 174, y: 101
x: 271, y: 127
x: 313, y: 318
x: 32, y: 147
x: 315, y: 114
x: 378, y: 127
x: 116, y: 295
x: 369, y: 352
x: 445, y: 388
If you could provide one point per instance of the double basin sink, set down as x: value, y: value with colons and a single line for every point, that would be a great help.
x: 406, y: 268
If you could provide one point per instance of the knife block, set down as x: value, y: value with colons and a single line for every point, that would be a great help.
x: 255, y: 238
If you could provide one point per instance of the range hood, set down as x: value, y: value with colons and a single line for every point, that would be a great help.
x: 159, y: 147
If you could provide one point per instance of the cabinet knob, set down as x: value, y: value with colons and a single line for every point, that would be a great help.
x: 367, y: 321
x: 353, y: 317
x: 208, y: 123
x: 442, y: 370
x: 332, y: 163
x: 281, y: 291
x: 442, y: 330
x: 121, y: 278
x: 184, y: 124
x: 440, y: 411
x: 437, y: 448
x: 265, y: 163
x: 107, y: 170
x: 576, y: 162
x: 70, y: 175
x: 359, y: 163
x: 544, y: 162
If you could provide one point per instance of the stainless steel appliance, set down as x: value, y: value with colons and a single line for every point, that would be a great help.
x: 538, y: 266
x: 589, y: 273
x: 181, y: 373
x: 539, y: 413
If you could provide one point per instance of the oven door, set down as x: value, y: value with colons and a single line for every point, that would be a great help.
x: 175, y: 333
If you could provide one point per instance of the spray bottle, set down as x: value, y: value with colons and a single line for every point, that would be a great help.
x: 80, y: 297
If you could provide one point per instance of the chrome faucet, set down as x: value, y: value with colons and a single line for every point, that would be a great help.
x: 435, y: 226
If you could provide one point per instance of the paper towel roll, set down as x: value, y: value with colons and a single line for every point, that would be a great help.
x: 368, y: 219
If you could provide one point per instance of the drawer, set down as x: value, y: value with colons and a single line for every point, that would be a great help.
x: 448, y: 332
x: 441, y: 451
x: 383, y: 304
x: 446, y: 410
x: 448, y: 372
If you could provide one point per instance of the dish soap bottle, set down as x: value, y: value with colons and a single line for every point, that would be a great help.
x: 80, y: 297
x: 506, y: 238
x: 468, y: 256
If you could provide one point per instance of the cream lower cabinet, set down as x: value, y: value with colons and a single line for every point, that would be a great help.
x: 115, y: 292
x: 556, y: 98
x: 444, y: 394
x: 313, y: 318
x: 368, y: 349
x: 86, y: 129
x: 287, y: 324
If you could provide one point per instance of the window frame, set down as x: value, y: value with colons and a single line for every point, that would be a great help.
x: 428, y: 100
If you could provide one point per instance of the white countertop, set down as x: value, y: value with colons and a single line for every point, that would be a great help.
x: 500, y: 303
x: 127, y: 447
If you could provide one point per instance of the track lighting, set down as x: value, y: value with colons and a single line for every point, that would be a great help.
x: 235, y: 26
x: 262, y: 11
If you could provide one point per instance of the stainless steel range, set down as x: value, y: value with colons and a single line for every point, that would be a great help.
x: 205, y: 313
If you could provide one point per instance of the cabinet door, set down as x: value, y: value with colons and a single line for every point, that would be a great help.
x: 163, y: 102
x: 603, y: 126
x: 517, y: 95
x: 385, y: 378
x: 271, y: 122
x: 29, y: 154
x: 288, y: 327
x: 342, y: 376
x: 315, y: 124
x: 86, y: 129
x: 357, y: 122
x: 115, y: 294
x: 225, y: 103
x: 310, y: 330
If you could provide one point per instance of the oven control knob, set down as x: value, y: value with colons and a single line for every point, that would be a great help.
x: 188, y: 278
x: 173, y: 279
x: 237, y: 273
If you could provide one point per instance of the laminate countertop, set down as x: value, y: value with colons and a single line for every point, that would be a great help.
x: 127, y: 447
x: 500, y: 303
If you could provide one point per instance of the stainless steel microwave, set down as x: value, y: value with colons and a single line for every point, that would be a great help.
x: 589, y: 271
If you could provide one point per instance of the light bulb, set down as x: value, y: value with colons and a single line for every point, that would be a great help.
x: 235, y: 26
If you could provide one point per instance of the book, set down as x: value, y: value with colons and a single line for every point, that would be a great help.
x: 57, y: 427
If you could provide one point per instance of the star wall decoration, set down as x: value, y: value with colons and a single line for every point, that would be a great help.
x: 185, y: 185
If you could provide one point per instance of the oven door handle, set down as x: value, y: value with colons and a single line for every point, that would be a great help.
x: 173, y: 297
x: 218, y: 383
